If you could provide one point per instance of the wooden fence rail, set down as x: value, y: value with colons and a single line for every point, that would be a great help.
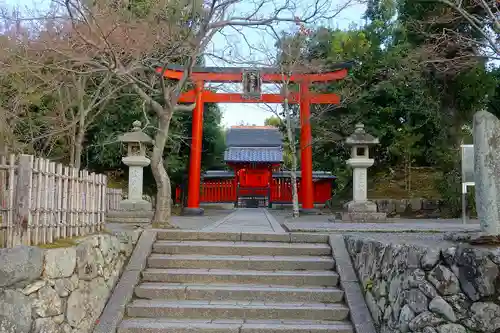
x: 113, y: 198
x: 42, y: 201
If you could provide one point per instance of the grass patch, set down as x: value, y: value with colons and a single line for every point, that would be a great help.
x: 392, y: 185
x: 69, y: 242
x: 60, y: 243
x: 3, y: 238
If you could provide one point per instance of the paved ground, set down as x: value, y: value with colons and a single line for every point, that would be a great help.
x: 428, y: 232
x: 246, y: 220
x: 320, y: 223
x: 399, y: 226
x: 210, y: 217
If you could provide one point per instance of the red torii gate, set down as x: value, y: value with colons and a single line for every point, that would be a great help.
x: 252, y: 80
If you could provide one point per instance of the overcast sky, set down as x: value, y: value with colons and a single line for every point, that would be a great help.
x: 234, y: 46
x: 248, y: 45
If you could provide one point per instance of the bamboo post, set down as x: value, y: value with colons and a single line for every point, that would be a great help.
x: 102, y: 203
x: 72, y: 200
x: 45, y: 200
x: 4, y: 174
x: 59, y: 187
x: 67, y: 231
x: 92, y: 202
x: 10, y: 212
x: 77, y: 198
x: 24, y: 183
x: 51, y: 213
x: 85, y: 196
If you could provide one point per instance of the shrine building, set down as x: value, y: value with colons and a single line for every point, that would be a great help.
x: 254, y: 155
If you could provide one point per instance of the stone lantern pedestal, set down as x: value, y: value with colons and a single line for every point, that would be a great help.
x: 134, y: 209
x: 360, y: 209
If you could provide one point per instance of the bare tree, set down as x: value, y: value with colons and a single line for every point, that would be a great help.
x: 291, y: 60
x: 449, y: 48
x: 80, y: 100
x: 132, y: 43
x: 484, y: 17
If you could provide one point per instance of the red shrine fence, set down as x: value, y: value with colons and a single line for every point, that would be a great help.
x: 279, y: 192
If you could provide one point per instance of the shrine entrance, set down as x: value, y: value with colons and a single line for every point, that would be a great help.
x: 252, y: 80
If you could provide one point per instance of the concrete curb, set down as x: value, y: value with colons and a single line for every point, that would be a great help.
x: 274, y: 224
x: 114, y: 310
x: 219, y: 222
x: 360, y: 315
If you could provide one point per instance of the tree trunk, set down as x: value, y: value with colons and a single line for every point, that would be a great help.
x: 72, y: 140
x: 293, y: 176
x: 78, y: 147
x: 164, y: 190
x: 293, y: 172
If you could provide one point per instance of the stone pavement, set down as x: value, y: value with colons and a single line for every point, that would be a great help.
x: 321, y: 223
x: 410, y: 225
x: 210, y: 217
x: 247, y: 220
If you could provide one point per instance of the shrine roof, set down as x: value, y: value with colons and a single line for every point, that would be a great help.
x: 215, y: 174
x: 254, y: 136
x: 254, y: 154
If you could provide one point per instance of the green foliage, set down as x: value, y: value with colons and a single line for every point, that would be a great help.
x: 419, y: 113
x: 103, y: 153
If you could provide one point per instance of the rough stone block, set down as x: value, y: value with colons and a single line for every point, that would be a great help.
x: 115, y: 308
x: 364, y: 206
x: 360, y: 217
x: 430, y: 204
x: 415, y: 204
x: 401, y: 205
x: 15, y: 312
x: 20, y: 265
x: 385, y: 206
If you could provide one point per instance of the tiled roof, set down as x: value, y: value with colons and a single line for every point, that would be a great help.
x: 254, y: 136
x: 316, y: 174
x: 279, y: 174
x: 253, y: 154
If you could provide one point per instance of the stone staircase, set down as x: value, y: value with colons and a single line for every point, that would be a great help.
x: 238, y: 283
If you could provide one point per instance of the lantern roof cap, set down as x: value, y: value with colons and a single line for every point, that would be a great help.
x: 360, y: 137
x: 136, y: 135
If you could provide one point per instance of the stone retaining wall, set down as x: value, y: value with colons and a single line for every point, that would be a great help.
x: 60, y: 290
x: 411, y: 288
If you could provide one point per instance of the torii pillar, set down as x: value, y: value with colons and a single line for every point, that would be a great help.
x: 306, y: 184
x: 193, y: 203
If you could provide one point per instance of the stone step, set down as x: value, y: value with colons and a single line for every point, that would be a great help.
x: 236, y: 310
x: 291, y: 278
x: 174, y: 325
x: 263, y: 293
x: 186, y: 235
x: 241, y: 262
x: 294, y: 278
x: 242, y: 248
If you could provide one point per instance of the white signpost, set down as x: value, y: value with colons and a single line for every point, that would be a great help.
x: 467, y: 157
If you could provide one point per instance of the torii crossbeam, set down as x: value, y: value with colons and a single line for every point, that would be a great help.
x: 252, y: 80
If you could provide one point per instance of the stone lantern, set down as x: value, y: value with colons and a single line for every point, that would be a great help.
x: 360, y: 209
x: 134, y: 209
x: 136, y: 160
